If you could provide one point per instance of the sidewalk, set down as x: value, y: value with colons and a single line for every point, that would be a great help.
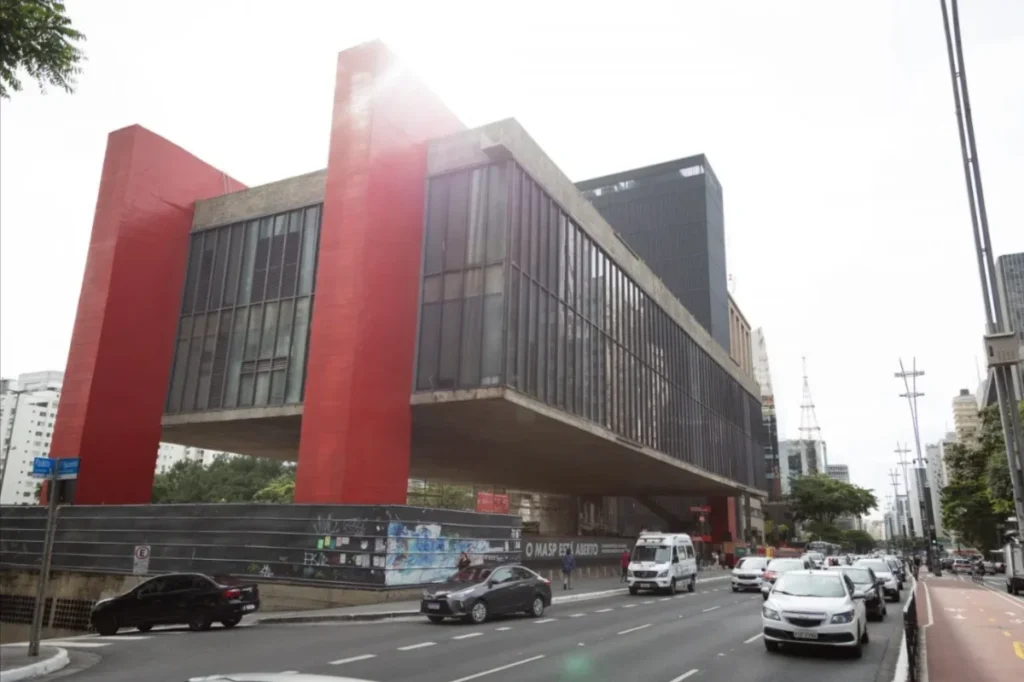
x: 15, y: 663
x: 969, y: 632
x: 583, y: 590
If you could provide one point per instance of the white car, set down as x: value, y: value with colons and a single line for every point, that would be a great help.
x: 749, y: 573
x: 883, y: 571
x: 821, y: 608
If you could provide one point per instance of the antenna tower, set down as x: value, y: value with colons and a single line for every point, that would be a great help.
x: 809, y: 429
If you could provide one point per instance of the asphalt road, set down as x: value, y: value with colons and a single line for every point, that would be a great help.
x: 713, y: 634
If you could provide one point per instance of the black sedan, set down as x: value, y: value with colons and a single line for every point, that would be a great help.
x: 478, y: 592
x: 189, y: 599
x: 869, y: 585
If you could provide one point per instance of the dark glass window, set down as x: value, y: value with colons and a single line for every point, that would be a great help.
x: 254, y: 280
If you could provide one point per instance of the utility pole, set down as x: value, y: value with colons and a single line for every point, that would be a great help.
x: 1002, y: 347
x: 894, y: 476
x: 901, y: 457
x: 912, y: 394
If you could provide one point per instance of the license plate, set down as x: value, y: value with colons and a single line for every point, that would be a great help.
x: 250, y: 607
x: 646, y: 584
x: 805, y: 635
x: 434, y: 607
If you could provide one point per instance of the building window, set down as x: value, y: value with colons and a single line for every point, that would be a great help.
x: 245, y: 317
x: 574, y: 330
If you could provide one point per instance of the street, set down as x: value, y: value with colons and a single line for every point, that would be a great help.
x: 712, y: 634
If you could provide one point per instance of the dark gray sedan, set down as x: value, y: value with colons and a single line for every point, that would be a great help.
x: 478, y: 592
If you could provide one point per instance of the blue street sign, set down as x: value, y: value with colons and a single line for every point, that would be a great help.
x: 42, y: 467
x: 68, y: 467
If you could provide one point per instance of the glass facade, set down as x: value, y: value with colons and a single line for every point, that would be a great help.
x: 245, y: 314
x: 515, y: 293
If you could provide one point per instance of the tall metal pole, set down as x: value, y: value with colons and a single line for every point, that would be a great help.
x: 44, y: 569
x: 901, y: 452
x: 1013, y: 434
x: 894, y: 476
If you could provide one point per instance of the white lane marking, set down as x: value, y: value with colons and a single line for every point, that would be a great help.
x: 84, y: 645
x: 664, y: 598
x: 289, y: 672
x: 629, y: 606
x: 502, y: 629
x: 353, y: 659
x: 123, y: 638
x: 688, y: 673
x: 577, y: 615
x: 649, y: 601
x: 468, y: 635
x: 639, y: 627
x: 1013, y: 601
x: 421, y: 645
x: 499, y: 669
x: 754, y: 638
x: 703, y: 592
x: 712, y: 608
x: 544, y: 620
x: 603, y: 610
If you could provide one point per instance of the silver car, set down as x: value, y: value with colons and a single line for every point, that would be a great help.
x: 748, y: 573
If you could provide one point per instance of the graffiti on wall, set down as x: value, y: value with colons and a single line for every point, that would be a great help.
x: 421, y: 553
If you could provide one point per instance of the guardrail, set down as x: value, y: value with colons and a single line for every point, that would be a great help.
x: 911, y: 631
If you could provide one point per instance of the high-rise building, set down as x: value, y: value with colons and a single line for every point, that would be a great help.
x: 740, y: 346
x: 763, y: 375
x: 966, y: 419
x: 876, y: 528
x: 29, y: 406
x: 1010, y: 284
x: 671, y: 215
x: 840, y: 472
x: 799, y: 458
x: 935, y: 472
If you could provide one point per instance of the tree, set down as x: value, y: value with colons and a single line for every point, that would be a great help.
x: 823, y: 499
x: 227, y: 479
x: 860, y: 540
x: 36, y: 37
x: 442, y: 496
x: 281, y: 489
x: 978, y: 496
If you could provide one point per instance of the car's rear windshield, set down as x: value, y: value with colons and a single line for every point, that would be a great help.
x: 810, y: 585
x: 477, y: 574
x: 859, y: 576
x: 752, y: 563
x: 875, y: 565
x: 785, y: 564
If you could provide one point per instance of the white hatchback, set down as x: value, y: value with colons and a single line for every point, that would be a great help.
x: 748, y: 573
x: 821, y: 608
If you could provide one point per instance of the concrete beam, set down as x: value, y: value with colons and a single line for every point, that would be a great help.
x: 508, y: 139
x: 275, y: 197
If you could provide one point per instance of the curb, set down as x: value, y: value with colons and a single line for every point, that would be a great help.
x: 37, y: 669
x: 406, y: 613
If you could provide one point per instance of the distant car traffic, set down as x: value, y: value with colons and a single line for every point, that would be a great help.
x: 821, y: 608
x: 479, y: 592
x: 777, y: 567
x: 883, y: 571
x: 748, y: 573
x: 869, y: 586
x: 191, y: 599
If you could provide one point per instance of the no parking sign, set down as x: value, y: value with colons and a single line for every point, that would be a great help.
x: 140, y: 563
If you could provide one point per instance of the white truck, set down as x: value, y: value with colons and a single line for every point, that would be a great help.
x: 662, y: 562
x: 1013, y: 558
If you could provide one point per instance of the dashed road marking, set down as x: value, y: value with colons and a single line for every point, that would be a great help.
x: 629, y: 606
x: 468, y: 635
x: 353, y: 659
x: 544, y: 620
x: 754, y: 638
x: 603, y: 610
x: 649, y: 601
x: 577, y: 615
x: 712, y: 608
x: 639, y: 627
x: 79, y: 643
x: 499, y: 669
x: 688, y: 673
x: 502, y: 629
x: 421, y: 645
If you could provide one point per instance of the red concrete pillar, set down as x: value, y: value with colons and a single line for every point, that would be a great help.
x: 122, y: 345
x: 731, y: 504
x: 356, y: 422
x: 719, y: 519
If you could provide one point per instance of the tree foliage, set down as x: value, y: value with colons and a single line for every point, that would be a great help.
x: 978, y: 496
x: 442, y: 496
x: 37, y: 37
x: 235, y: 479
x: 860, y: 541
x: 823, y: 499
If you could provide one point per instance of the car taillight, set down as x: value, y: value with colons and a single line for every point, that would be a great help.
x: 545, y: 581
x: 769, y: 574
x: 233, y: 593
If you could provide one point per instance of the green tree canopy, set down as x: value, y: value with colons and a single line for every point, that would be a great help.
x: 823, y: 499
x: 442, y: 496
x: 860, y: 541
x: 36, y: 37
x: 234, y: 479
x: 979, y: 494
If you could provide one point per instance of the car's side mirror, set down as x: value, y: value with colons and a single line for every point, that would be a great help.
x: 858, y: 595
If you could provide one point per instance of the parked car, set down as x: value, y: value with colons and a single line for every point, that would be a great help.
x: 476, y: 593
x: 177, y: 599
x: 869, y: 586
x: 815, y: 607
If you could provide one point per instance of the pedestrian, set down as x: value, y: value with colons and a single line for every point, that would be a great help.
x: 624, y: 561
x: 568, y: 564
x: 714, y: 559
x: 464, y: 562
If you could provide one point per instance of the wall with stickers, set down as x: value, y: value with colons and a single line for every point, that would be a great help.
x: 369, y: 546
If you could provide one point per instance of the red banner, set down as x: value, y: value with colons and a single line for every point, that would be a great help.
x: 492, y: 503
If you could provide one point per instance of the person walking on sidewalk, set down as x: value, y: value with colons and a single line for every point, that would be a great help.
x: 568, y: 564
x: 624, y: 562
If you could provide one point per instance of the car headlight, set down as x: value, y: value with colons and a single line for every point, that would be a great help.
x: 425, y: 594
x: 770, y: 614
x: 844, y: 617
x: 629, y: 573
x: 663, y: 574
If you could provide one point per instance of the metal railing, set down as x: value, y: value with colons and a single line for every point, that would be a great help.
x: 911, y: 631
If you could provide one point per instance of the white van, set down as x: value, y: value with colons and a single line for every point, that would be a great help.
x: 662, y: 561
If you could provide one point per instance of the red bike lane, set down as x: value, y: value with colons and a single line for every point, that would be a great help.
x: 970, y: 633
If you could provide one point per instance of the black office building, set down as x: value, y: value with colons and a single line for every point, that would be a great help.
x: 671, y: 215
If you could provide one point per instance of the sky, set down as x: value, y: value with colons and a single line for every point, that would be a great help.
x: 830, y: 125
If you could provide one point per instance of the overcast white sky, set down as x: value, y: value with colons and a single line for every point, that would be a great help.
x: 830, y: 125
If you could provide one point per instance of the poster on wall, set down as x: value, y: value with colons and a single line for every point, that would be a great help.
x: 492, y: 503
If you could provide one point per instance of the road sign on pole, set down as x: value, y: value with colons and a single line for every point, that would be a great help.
x: 67, y: 468
x: 44, y: 570
x: 140, y: 560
